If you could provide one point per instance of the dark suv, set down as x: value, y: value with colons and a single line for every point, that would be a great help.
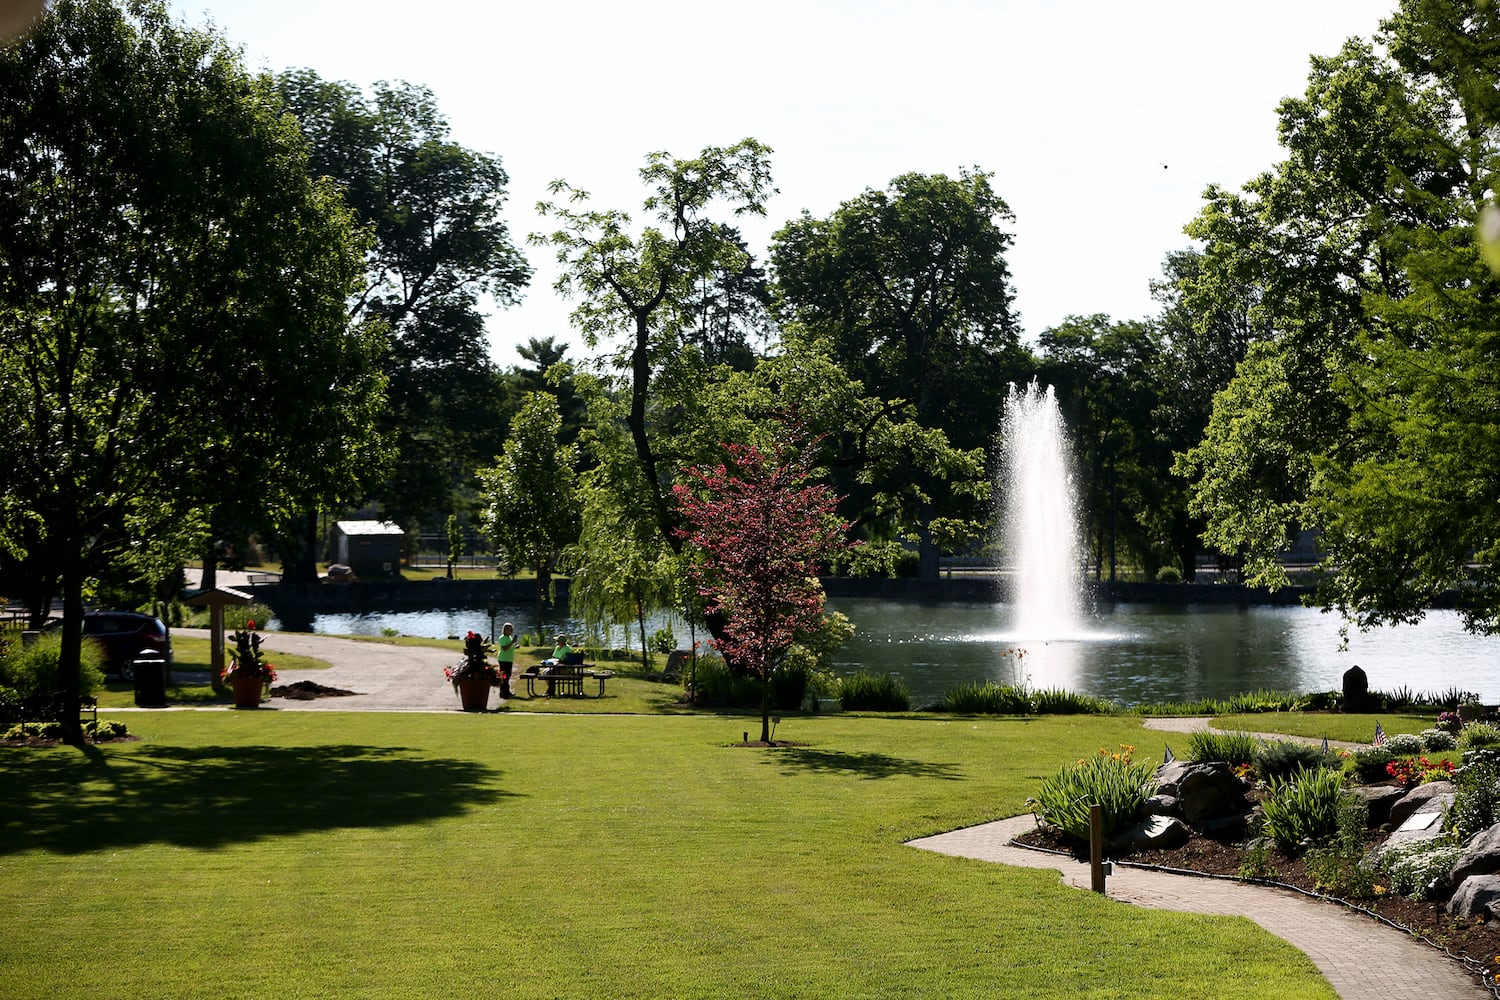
x: 123, y: 635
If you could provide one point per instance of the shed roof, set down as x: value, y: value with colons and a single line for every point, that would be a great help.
x: 370, y: 528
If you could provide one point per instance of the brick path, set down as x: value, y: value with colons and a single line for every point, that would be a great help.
x: 1360, y: 957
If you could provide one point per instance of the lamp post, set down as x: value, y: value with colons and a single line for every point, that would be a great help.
x: 494, y: 611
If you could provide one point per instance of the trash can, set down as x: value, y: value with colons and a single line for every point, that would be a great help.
x: 150, y: 679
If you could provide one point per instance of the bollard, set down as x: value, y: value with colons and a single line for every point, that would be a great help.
x: 1096, y: 848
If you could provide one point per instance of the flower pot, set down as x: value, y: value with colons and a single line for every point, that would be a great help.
x: 474, y: 693
x: 247, y: 690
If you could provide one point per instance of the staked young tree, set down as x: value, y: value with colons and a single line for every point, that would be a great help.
x: 760, y: 530
x: 1368, y: 414
x: 173, y: 328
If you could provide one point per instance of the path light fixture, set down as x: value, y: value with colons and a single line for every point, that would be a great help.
x: 494, y: 610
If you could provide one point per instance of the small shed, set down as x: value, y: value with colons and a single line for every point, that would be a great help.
x: 369, y: 548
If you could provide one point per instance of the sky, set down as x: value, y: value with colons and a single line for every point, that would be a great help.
x: 1101, y: 122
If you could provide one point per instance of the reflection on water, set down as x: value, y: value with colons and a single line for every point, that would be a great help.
x: 1138, y: 653
x: 1133, y: 653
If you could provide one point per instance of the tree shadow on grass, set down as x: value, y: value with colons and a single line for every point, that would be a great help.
x: 205, y: 797
x: 860, y: 765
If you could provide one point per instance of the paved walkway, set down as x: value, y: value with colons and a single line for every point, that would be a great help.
x: 1193, y: 724
x: 1361, y: 958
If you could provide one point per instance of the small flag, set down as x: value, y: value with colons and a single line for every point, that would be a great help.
x: 1167, y: 757
x: 1379, y: 735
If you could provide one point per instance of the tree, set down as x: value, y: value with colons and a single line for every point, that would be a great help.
x: 911, y: 289
x: 173, y: 329
x: 530, y: 509
x: 440, y: 244
x: 1368, y: 415
x: 761, y: 531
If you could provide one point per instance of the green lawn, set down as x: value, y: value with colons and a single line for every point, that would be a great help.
x: 242, y: 854
x: 1354, y: 728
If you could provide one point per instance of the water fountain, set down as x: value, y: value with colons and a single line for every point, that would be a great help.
x: 1039, y: 518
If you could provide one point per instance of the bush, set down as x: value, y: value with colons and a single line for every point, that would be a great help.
x: 1304, y: 811
x: 1233, y: 748
x: 1169, y: 574
x: 33, y: 671
x: 1370, y: 762
x: 662, y: 640
x: 874, y: 693
x: 989, y: 698
x: 1284, y: 758
x: 1478, y: 735
x: 717, y: 686
x: 1339, y: 867
x: 1419, y: 870
x: 1436, y: 740
x: 1058, y: 701
x: 1476, y: 799
x: 1403, y: 744
x: 1110, y: 780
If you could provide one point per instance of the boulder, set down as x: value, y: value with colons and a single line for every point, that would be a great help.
x: 1414, y: 800
x: 1478, y: 896
x: 1425, y: 824
x: 1379, y: 798
x: 1162, y: 805
x: 1481, y: 856
x: 1152, y: 833
x: 1203, y: 791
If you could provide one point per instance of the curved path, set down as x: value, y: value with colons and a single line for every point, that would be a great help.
x: 1360, y: 957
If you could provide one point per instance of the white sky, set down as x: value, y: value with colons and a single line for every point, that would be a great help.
x: 1074, y: 106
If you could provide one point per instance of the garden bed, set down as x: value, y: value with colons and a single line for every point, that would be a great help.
x: 1475, y: 940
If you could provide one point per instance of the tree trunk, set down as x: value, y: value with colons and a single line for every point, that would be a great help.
x: 765, y: 709
x: 640, y: 617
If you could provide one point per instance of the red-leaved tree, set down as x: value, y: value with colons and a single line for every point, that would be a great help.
x: 761, y: 529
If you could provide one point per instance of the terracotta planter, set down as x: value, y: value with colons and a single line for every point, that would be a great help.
x: 474, y: 693
x: 247, y: 690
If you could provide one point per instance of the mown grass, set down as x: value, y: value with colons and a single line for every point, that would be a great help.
x: 395, y: 855
x: 1351, y: 728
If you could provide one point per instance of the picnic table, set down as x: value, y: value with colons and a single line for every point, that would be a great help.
x: 564, y: 682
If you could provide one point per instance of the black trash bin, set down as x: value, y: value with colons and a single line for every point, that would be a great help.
x: 150, y: 679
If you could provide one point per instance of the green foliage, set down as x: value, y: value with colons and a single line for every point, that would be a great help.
x: 1339, y: 867
x: 1109, y: 780
x: 864, y: 692
x: 1303, y: 811
x: 1059, y: 701
x: 1233, y: 748
x: 1479, y: 735
x: 1438, y: 740
x: 1476, y: 800
x: 1403, y: 744
x: 1257, y: 862
x: 1420, y: 870
x: 1370, y: 762
x: 988, y: 698
x: 1245, y: 703
x: 35, y: 671
x: 662, y: 640
x: 1284, y: 758
x: 1169, y: 574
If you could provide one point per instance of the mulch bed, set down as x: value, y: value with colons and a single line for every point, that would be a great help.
x: 307, y: 691
x: 1476, y: 940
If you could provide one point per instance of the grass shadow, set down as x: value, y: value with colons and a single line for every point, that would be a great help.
x: 860, y: 765
x: 205, y: 797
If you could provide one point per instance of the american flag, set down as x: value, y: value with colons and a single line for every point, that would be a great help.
x: 1379, y: 735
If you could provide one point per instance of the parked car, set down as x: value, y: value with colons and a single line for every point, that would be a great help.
x: 122, y: 635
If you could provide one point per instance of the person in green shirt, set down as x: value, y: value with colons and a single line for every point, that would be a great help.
x: 505, y: 652
x: 559, y: 655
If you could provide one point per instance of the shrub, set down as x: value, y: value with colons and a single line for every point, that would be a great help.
x: 989, y: 698
x: 1419, y: 870
x: 1449, y: 722
x: 1232, y: 748
x: 662, y: 640
x: 1303, y: 811
x: 874, y: 693
x: 1476, y: 799
x: 1110, y: 780
x: 33, y: 670
x: 1370, y: 762
x: 1478, y: 735
x: 1339, y: 867
x: 1436, y: 740
x: 1404, y: 744
x: 1059, y: 701
x: 1169, y: 574
x: 1284, y: 758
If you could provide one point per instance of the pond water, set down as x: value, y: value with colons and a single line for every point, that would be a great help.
x: 1133, y: 653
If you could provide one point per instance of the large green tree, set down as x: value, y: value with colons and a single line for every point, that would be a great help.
x: 173, y: 283
x: 1372, y: 413
x: 440, y: 247
x: 911, y: 289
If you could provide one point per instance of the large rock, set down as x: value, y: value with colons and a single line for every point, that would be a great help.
x: 1481, y: 856
x: 1416, y: 799
x: 1203, y: 791
x: 1478, y: 896
x: 1425, y: 824
x: 1162, y: 805
x: 1152, y: 833
x: 1379, y: 798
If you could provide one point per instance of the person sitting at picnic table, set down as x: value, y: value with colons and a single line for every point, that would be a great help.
x: 557, y: 661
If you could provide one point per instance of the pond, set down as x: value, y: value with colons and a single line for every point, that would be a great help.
x: 1133, y: 653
